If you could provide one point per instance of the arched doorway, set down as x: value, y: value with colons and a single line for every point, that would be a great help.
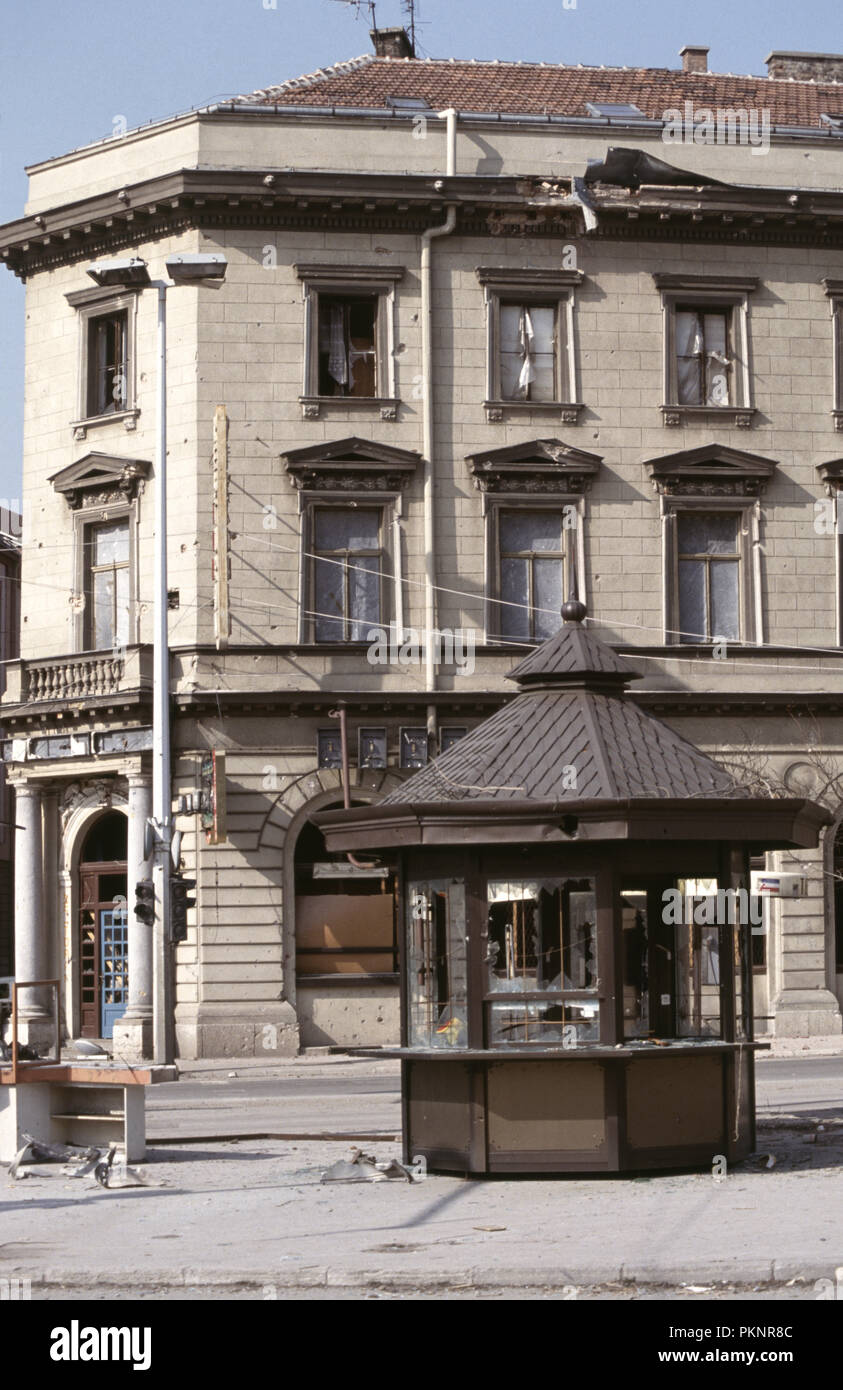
x: 346, y: 947
x: 102, y: 934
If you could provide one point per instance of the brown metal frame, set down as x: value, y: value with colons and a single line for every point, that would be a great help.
x: 19, y: 1070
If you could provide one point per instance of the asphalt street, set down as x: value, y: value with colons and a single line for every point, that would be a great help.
x: 357, y: 1099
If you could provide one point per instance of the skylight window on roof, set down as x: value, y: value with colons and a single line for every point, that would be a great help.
x: 408, y: 103
x: 834, y: 119
x: 615, y: 110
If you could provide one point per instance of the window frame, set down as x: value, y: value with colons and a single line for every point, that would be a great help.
x: 834, y: 294
x: 350, y: 282
x: 539, y: 288
x: 313, y: 503
x: 84, y: 521
x: 91, y: 305
x: 749, y: 577
x: 708, y: 294
x: 495, y: 505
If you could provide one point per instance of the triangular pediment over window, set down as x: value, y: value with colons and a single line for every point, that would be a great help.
x: 351, y: 465
x: 540, y: 466
x: 100, y: 478
x: 712, y: 470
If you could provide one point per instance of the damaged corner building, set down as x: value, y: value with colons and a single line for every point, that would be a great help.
x: 486, y: 342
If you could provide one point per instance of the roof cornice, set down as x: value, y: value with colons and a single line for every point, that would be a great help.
x: 352, y: 201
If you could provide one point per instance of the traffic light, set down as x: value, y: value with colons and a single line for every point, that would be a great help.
x: 180, y: 903
x: 145, y: 902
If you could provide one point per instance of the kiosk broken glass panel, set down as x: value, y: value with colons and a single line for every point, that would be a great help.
x: 436, y: 964
x: 542, y: 953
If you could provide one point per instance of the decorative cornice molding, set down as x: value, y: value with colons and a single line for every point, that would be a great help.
x: 321, y: 272
x: 100, y: 479
x: 406, y: 203
x: 712, y: 470
x: 540, y: 467
x: 351, y: 465
x: 728, y: 284
x: 542, y: 278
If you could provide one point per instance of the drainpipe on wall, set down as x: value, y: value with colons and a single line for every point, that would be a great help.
x: 444, y: 229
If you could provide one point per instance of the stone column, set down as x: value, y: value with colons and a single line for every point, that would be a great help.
x: 133, y: 1032
x: 804, y: 1004
x: 50, y: 850
x: 31, y: 943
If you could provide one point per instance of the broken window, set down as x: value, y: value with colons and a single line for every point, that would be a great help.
x: 107, y: 595
x: 437, y: 971
x: 532, y: 554
x: 346, y: 588
x: 703, y: 356
x: 697, y: 951
x: 528, y: 370
x: 346, y: 345
x: 107, y: 390
x: 708, y: 545
x: 542, y: 953
x: 635, y: 963
x: 345, y: 915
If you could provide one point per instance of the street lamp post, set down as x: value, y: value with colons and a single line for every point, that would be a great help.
x: 184, y: 269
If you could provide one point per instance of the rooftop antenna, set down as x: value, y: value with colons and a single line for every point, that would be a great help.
x: 409, y: 8
x: 359, y: 5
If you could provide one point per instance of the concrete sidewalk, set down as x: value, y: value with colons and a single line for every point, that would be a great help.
x: 256, y: 1214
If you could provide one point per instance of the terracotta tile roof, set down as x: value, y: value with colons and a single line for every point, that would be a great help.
x: 550, y: 89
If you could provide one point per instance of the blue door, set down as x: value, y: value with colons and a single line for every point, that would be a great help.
x: 114, y: 977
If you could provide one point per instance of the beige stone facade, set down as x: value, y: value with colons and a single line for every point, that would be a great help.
x: 309, y: 205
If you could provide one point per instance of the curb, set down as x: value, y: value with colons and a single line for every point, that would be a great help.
x: 321, y: 1276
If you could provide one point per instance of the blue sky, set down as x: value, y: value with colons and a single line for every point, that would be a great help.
x: 69, y: 69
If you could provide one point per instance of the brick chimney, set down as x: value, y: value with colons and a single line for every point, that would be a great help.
x: 821, y: 67
x: 392, y: 43
x: 694, y: 59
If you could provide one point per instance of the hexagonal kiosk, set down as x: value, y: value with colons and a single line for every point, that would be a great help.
x: 575, y: 928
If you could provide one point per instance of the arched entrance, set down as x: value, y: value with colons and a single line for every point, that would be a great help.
x: 346, y: 947
x: 102, y: 932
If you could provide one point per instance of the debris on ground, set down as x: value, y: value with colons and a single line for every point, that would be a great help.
x: 363, y: 1167
x: 39, y: 1152
x: 112, y: 1177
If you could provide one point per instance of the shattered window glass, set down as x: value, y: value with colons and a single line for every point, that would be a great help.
x: 437, y: 972
x: 346, y: 339
x: 528, y: 352
x: 532, y: 561
x: 107, y: 560
x: 703, y: 357
x: 541, y: 950
x: 697, y: 960
x: 635, y: 964
x: 709, y: 575
x: 347, y: 574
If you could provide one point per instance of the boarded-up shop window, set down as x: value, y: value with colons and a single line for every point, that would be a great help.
x: 345, y: 916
